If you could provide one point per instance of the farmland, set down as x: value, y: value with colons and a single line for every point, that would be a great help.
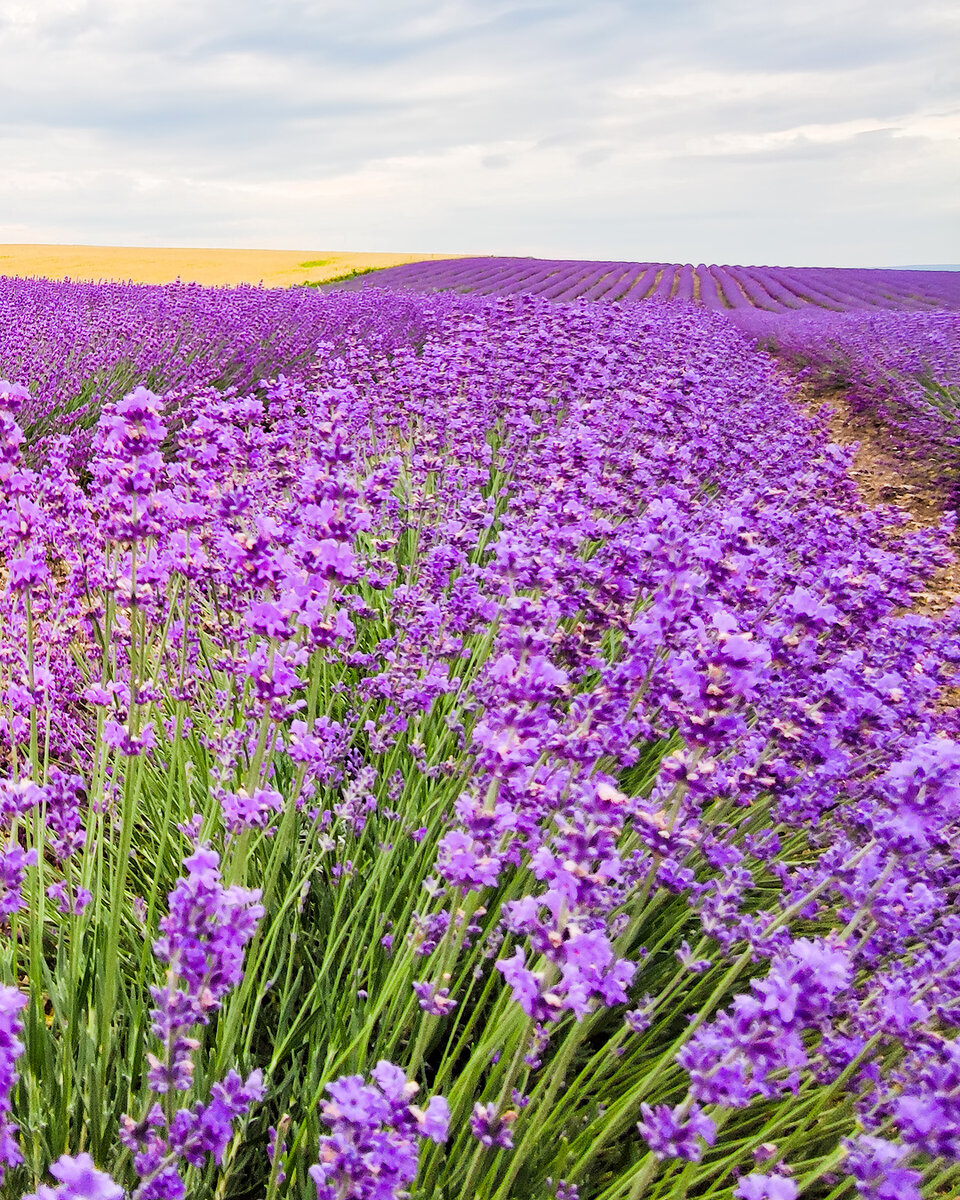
x: 720, y: 288
x: 466, y: 734
x: 211, y: 267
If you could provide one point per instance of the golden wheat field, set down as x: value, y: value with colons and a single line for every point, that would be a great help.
x: 272, y: 268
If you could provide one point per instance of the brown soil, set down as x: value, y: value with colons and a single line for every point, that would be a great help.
x: 886, y: 472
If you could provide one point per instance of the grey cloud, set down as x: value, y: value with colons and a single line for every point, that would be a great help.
x: 478, y: 124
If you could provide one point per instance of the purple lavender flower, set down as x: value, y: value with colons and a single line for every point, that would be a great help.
x: 492, y: 1128
x: 766, y: 1187
x: 129, y: 467
x: 371, y: 1151
x: 685, y: 956
x: 13, y: 867
x: 465, y: 863
x: 653, y: 544
x: 277, y: 1149
x: 11, y: 1003
x: 202, y: 940
x: 639, y: 1019
x: 676, y: 1132
x: 79, y: 1180
x: 193, y: 1136
x: 249, y: 810
x: 60, y: 894
x: 433, y: 999
x: 876, y: 1166
x: 924, y: 792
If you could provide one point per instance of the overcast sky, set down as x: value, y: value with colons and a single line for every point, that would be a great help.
x: 787, y: 132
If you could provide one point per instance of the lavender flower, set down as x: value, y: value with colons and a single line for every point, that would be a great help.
x: 676, y: 1132
x: 202, y: 941
x: 79, y: 1180
x: 11, y: 1026
x: 371, y: 1151
x: 433, y: 999
x: 492, y: 1128
x: 499, y: 556
x: 13, y: 867
x: 876, y: 1166
x: 766, y: 1187
x: 193, y: 1136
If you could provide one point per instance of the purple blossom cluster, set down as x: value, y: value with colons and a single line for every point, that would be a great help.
x: 202, y: 942
x: 370, y: 1152
x: 12, y: 1002
x: 79, y: 1179
x: 77, y: 346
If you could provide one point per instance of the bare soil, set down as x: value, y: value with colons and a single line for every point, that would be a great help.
x: 887, y: 472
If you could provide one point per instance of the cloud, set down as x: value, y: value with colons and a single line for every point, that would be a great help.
x: 724, y: 131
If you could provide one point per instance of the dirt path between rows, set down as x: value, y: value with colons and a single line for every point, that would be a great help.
x: 886, y: 472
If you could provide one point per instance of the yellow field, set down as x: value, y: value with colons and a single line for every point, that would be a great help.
x: 143, y: 264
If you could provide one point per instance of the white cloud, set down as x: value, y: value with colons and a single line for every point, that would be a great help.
x: 931, y: 126
x: 728, y: 130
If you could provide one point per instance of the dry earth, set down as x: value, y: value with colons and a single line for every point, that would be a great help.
x: 887, y: 473
x: 144, y: 264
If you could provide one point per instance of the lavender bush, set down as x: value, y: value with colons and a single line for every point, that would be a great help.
x: 476, y: 748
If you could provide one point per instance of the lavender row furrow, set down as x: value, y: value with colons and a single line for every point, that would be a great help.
x: 756, y: 294
x: 644, y: 284
x: 628, y: 281
x: 709, y: 295
x: 684, y: 288
x: 729, y: 288
x: 608, y: 282
x: 775, y: 289
x: 809, y: 294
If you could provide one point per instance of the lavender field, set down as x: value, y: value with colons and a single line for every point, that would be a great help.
x: 771, y: 289
x: 475, y: 747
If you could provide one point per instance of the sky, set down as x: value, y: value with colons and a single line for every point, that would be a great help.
x: 783, y: 132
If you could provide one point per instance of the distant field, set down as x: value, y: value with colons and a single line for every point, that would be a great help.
x: 143, y: 264
x: 744, y: 289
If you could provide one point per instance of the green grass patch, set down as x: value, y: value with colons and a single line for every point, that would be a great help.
x: 347, y: 275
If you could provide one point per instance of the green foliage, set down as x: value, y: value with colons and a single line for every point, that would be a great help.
x: 344, y: 278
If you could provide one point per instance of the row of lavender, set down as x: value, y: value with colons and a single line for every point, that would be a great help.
x: 773, y: 289
x: 903, y: 368
x: 890, y: 339
x: 80, y: 345
x: 496, y: 759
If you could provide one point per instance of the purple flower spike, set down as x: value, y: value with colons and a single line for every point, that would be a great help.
x: 676, y: 1132
x: 79, y: 1180
x: 371, y: 1150
x: 11, y: 1003
x: 203, y: 941
x: 875, y: 1165
x: 433, y: 999
x: 492, y: 1128
x: 766, y: 1187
